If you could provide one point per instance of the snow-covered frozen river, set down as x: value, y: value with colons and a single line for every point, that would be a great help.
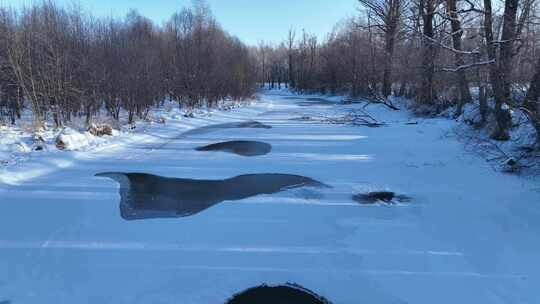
x: 467, y: 235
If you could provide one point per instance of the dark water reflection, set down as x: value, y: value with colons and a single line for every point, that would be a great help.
x: 243, y: 148
x: 145, y: 196
x: 316, y: 102
x: 286, y: 294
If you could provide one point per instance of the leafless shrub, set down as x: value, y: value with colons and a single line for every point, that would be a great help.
x: 100, y: 130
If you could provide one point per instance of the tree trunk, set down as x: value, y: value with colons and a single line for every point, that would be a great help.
x: 388, y: 63
x: 484, y: 108
x: 457, y: 32
x: 531, y: 102
x: 427, y: 92
x: 391, y: 28
x: 501, y: 79
x: 291, y: 40
x: 292, y: 83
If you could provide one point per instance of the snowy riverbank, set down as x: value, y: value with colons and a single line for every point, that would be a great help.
x: 18, y: 143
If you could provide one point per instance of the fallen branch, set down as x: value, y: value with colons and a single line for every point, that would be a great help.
x: 356, y: 117
x: 377, y: 99
x: 384, y: 102
x: 492, y: 152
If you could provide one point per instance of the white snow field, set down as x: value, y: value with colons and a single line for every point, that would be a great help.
x: 468, y: 234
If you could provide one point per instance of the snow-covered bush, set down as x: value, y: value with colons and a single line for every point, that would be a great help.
x: 70, y: 139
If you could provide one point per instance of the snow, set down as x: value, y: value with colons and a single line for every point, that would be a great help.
x: 469, y: 235
x: 17, y: 143
x: 75, y: 140
x: 497, y: 153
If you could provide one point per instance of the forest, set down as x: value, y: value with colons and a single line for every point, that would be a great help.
x: 62, y: 62
x: 437, y: 54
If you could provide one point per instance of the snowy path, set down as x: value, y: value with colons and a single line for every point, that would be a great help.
x: 469, y: 235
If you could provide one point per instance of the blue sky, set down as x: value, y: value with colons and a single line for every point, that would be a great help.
x: 251, y: 20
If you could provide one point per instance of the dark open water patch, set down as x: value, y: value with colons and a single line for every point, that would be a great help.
x: 312, y: 101
x: 380, y: 196
x: 243, y: 148
x: 316, y: 102
x: 285, y: 294
x: 294, y: 98
x: 145, y: 196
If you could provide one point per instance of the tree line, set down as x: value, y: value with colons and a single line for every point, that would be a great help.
x: 63, y: 63
x: 438, y: 53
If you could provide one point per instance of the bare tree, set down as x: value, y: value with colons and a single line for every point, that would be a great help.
x: 457, y: 33
x: 388, y: 15
x: 10, y: 95
x: 291, y: 39
x: 426, y: 94
x: 501, y: 73
x: 531, y: 105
